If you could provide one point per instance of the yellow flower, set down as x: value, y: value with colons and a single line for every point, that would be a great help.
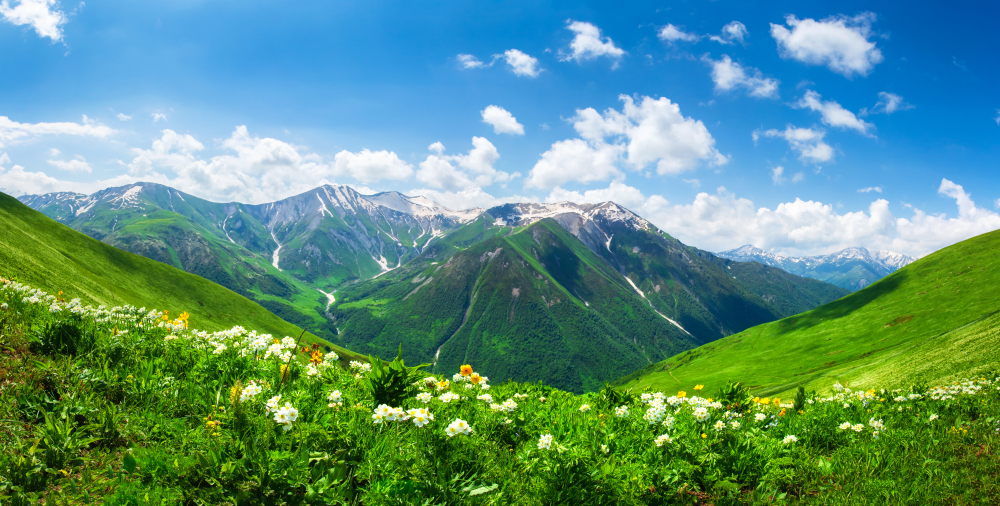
x: 475, y: 378
x: 756, y: 399
x: 465, y: 370
x: 699, y: 387
x: 777, y: 401
x: 782, y: 413
x: 703, y: 435
x: 682, y: 394
x: 765, y: 400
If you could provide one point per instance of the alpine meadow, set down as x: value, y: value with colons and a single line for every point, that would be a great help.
x: 498, y: 253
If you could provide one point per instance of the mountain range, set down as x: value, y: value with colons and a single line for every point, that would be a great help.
x: 572, y: 294
x: 850, y: 268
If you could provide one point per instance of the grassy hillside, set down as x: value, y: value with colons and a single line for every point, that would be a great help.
x: 39, y: 251
x: 930, y: 321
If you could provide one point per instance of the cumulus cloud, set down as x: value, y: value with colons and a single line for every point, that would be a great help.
x: 468, y: 198
x: 729, y: 75
x: 521, y: 63
x: 437, y: 147
x: 888, y: 103
x: 470, y: 62
x: 370, y: 166
x: 807, y: 141
x: 652, y: 131
x: 462, y: 172
x: 42, y: 15
x: 833, y: 114
x: 12, y: 132
x: 79, y: 164
x: 876, y: 189
x: 123, y: 117
x: 777, y: 175
x: 502, y: 121
x: 671, y: 34
x: 838, y: 42
x: 588, y: 44
x: 157, y: 117
x: 733, y: 32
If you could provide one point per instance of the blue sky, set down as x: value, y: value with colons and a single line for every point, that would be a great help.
x: 722, y: 122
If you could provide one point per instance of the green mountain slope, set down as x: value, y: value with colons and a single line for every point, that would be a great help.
x: 45, y: 254
x: 929, y: 321
x: 535, y: 305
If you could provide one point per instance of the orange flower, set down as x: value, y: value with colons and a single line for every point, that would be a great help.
x: 466, y: 370
x: 475, y: 378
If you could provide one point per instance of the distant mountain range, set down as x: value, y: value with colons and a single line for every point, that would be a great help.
x: 571, y: 294
x: 851, y: 268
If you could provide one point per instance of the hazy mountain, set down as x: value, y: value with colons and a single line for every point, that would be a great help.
x: 851, y: 268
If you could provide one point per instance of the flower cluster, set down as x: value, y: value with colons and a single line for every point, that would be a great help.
x: 457, y: 427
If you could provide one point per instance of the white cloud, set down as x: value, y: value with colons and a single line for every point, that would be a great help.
x: 588, y: 43
x: 839, y: 42
x: 575, y: 160
x: 652, y: 131
x: 371, y: 166
x: 888, y: 103
x: 437, y: 147
x: 470, y: 62
x: 997, y: 119
x: 807, y: 141
x: 461, y: 172
x: 520, y: 63
x: 79, y: 164
x: 833, y: 114
x: 729, y: 75
x: 503, y: 122
x: 722, y: 221
x: 777, y: 175
x: 123, y: 117
x: 12, y: 132
x: 876, y: 189
x: 671, y: 34
x: 996, y: 203
x: 732, y: 32
x: 157, y: 117
x: 798, y: 177
x: 43, y: 15
x: 53, y: 152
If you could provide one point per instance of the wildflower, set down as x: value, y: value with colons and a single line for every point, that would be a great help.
x: 430, y: 382
x: 858, y: 427
x: 424, y: 397
x: 585, y: 408
x: 465, y: 370
x: 251, y: 391
x: 541, y: 399
x: 545, y: 442
x: 760, y: 417
x: 3, y: 305
x: 789, y: 439
x: 272, y: 403
x: 286, y: 415
x: 933, y: 417
x: 487, y: 397
x: 420, y: 416
x: 604, y: 448
x: 457, y: 427
x: 382, y: 412
x: 447, y: 397
x: 734, y: 424
x: 663, y: 439
x: 682, y: 394
x: 655, y: 413
x: 311, y: 370
x: 443, y: 385
x: 699, y: 387
x: 876, y: 424
x: 844, y: 426
x: 621, y: 411
x: 704, y: 436
x: 668, y: 422
x: 700, y: 413
x: 719, y: 426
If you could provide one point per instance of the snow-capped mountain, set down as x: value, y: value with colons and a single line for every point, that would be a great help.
x: 852, y: 268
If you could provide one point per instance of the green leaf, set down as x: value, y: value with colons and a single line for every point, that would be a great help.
x: 129, y: 464
x: 484, y: 489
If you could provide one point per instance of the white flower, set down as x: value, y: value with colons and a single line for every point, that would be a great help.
x: 287, y: 342
x: 335, y: 396
x: 585, y: 408
x: 382, y: 413
x: 934, y: 417
x: 789, y: 439
x: 272, y: 403
x: 604, y: 448
x: 734, y: 424
x: 719, y: 426
x: 447, y: 397
x: 858, y: 427
x: 668, y: 422
x: 621, y: 411
x: 487, y: 397
x: 251, y: 391
x: 545, y: 442
x: 424, y: 397
x: 844, y: 426
x: 700, y: 413
x: 286, y: 415
x: 311, y: 370
x: 662, y: 440
x: 760, y: 417
x: 457, y: 427
x: 876, y: 424
x: 655, y: 413
x: 420, y: 416
x: 3, y: 305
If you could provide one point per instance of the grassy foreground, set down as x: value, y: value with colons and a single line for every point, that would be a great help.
x: 934, y: 320
x: 122, y: 407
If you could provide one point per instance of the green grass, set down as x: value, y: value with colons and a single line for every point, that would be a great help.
x: 41, y: 252
x: 91, y: 415
x: 930, y: 321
